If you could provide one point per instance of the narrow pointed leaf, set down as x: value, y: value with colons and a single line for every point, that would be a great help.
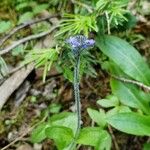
x: 131, y: 123
x: 129, y: 95
x: 125, y: 56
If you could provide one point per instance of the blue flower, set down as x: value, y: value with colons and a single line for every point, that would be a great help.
x: 79, y: 42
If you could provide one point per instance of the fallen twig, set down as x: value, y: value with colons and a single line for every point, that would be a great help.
x: 13, y: 71
x: 113, y: 138
x: 18, y: 139
x: 12, y: 83
x: 16, y: 79
x: 28, y: 130
x: 146, y: 87
x: 19, y: 27
x: 28, y: 38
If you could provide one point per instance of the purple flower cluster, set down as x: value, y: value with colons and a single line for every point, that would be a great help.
x: 80, y: 42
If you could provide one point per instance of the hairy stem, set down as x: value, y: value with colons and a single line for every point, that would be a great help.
x: 77, y: 100
x: 77, y: 94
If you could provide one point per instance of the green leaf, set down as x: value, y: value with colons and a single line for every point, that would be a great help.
x: 62, y: 136
x: 65, y: 119
x: 3, y: 67
x: 18, y: 50
x: 104, y: 142
x: 5, y: 26
x: 146, y: 146
x: 129, y: 95
x: 68, y: 73
x: 118, y: 109
x: 98, y: 117
x: 38, y: 134
x: 131, y: 123
x: 21, y: 6
x: 54, y: 108
x: 126, y: 25
x: 125, y: 56
x: 122, y: 109
x: 94, y: 136
x: 25, y: 17
x: 124, y: 94
x: 75, y: 24
x: 40, y: 8
x: 111, y: 101
x: 42, y: 58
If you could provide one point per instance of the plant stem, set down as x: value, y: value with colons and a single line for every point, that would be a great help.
x: 108, y: 22
x: 146, y: 87
x: 77, y: 94
x: 77, y: 100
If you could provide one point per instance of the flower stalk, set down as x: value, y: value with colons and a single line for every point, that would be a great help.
x: 77, y: 94
x: 78, y: 44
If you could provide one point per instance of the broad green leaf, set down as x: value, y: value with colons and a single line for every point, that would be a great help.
x: 146, y: 146
x: 4, y: 26
x: 21, y: 6
x: 88, y: 134
x: 54, y: 108
x: 129, y: 95
x: 40, y: 8
x: 98, y: 117
x: 25, y: 17
x: 109, y: 102
x: 106, y: 103
x: 19, y: 50
x: 60, y: 116
x: 62, y: 136
x: 65, y: 119
x: 145, y: 96
x: 122, y: 109
x: 38, y: 134
x: 131, y: 123
x: 94, y: 136
x: 118, y: 109
x: 112, y: 111
x: 125, y: 56
x: 104, y: 142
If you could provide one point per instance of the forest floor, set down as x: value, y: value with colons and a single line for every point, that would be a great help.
x: 27, y: 104
x: 19, y: 114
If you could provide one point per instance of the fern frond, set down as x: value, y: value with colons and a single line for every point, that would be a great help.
x: 76, y: 24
